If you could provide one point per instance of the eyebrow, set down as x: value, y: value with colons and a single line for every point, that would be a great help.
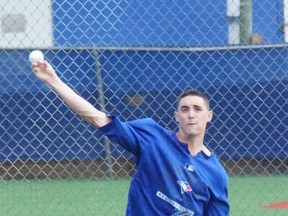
x: 195, y: 106
x: 184, y: 107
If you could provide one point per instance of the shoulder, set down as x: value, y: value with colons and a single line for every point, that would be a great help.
x: 142, y: 121
x: 147, y: 125
x: 214, y: 169
x: 145, y: 122
x: 219, y: 170
x: 144, y: 125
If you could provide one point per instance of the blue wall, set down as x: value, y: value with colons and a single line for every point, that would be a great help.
x: 246, y: 84
x: 35, y: 124
x: 250, y: 104
x: 249, y: 98
x: 157, y: 23
x: 268, y: 20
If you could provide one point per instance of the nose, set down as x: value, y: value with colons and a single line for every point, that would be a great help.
x: 191, y: 113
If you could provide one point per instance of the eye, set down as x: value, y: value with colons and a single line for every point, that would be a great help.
x: 184, y: 109
x: 197, y: 108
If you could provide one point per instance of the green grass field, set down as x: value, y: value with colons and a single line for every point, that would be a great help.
x: 108, y: 197
x: 249, y: 194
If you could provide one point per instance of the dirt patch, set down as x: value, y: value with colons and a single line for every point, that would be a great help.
x: 75, y: 169
x: 254, y: 166
x: 277, y: 205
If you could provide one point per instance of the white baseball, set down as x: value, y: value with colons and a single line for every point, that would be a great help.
x: 36, y: 56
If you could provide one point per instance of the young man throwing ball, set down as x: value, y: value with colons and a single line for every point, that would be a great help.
x: 176, y: 174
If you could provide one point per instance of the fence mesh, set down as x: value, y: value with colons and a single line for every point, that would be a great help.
x: 133, y: 59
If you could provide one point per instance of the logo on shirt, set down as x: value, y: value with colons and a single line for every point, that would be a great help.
x: 185, y: 187
x: 189, y: 167
x: 181, y: 210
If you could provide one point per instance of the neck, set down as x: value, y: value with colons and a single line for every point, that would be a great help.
x: 195, y: 144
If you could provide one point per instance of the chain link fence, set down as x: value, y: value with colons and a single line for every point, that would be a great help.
x: 133, y: 59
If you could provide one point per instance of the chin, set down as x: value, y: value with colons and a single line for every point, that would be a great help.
x: 191, y: 134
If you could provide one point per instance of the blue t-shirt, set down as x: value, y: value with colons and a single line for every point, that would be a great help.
x: 169, y: 180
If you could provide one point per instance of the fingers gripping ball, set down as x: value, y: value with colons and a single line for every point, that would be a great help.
x: 36, y: 56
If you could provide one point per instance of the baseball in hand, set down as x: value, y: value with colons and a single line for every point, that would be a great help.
x: 36, y: 56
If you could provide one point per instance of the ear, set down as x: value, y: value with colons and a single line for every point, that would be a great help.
x: 210, y: 115
x: 176, y: 116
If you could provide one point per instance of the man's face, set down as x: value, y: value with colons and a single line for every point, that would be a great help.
x: 192, y: 115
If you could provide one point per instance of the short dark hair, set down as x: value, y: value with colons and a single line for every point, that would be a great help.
x: 193, y: 92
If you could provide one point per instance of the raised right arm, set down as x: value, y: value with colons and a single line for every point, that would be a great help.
x: 45, y: 72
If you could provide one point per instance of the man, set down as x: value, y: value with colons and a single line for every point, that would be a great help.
x: 176, y: 174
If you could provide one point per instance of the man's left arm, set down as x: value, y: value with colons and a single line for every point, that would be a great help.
x: 218, y: 206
